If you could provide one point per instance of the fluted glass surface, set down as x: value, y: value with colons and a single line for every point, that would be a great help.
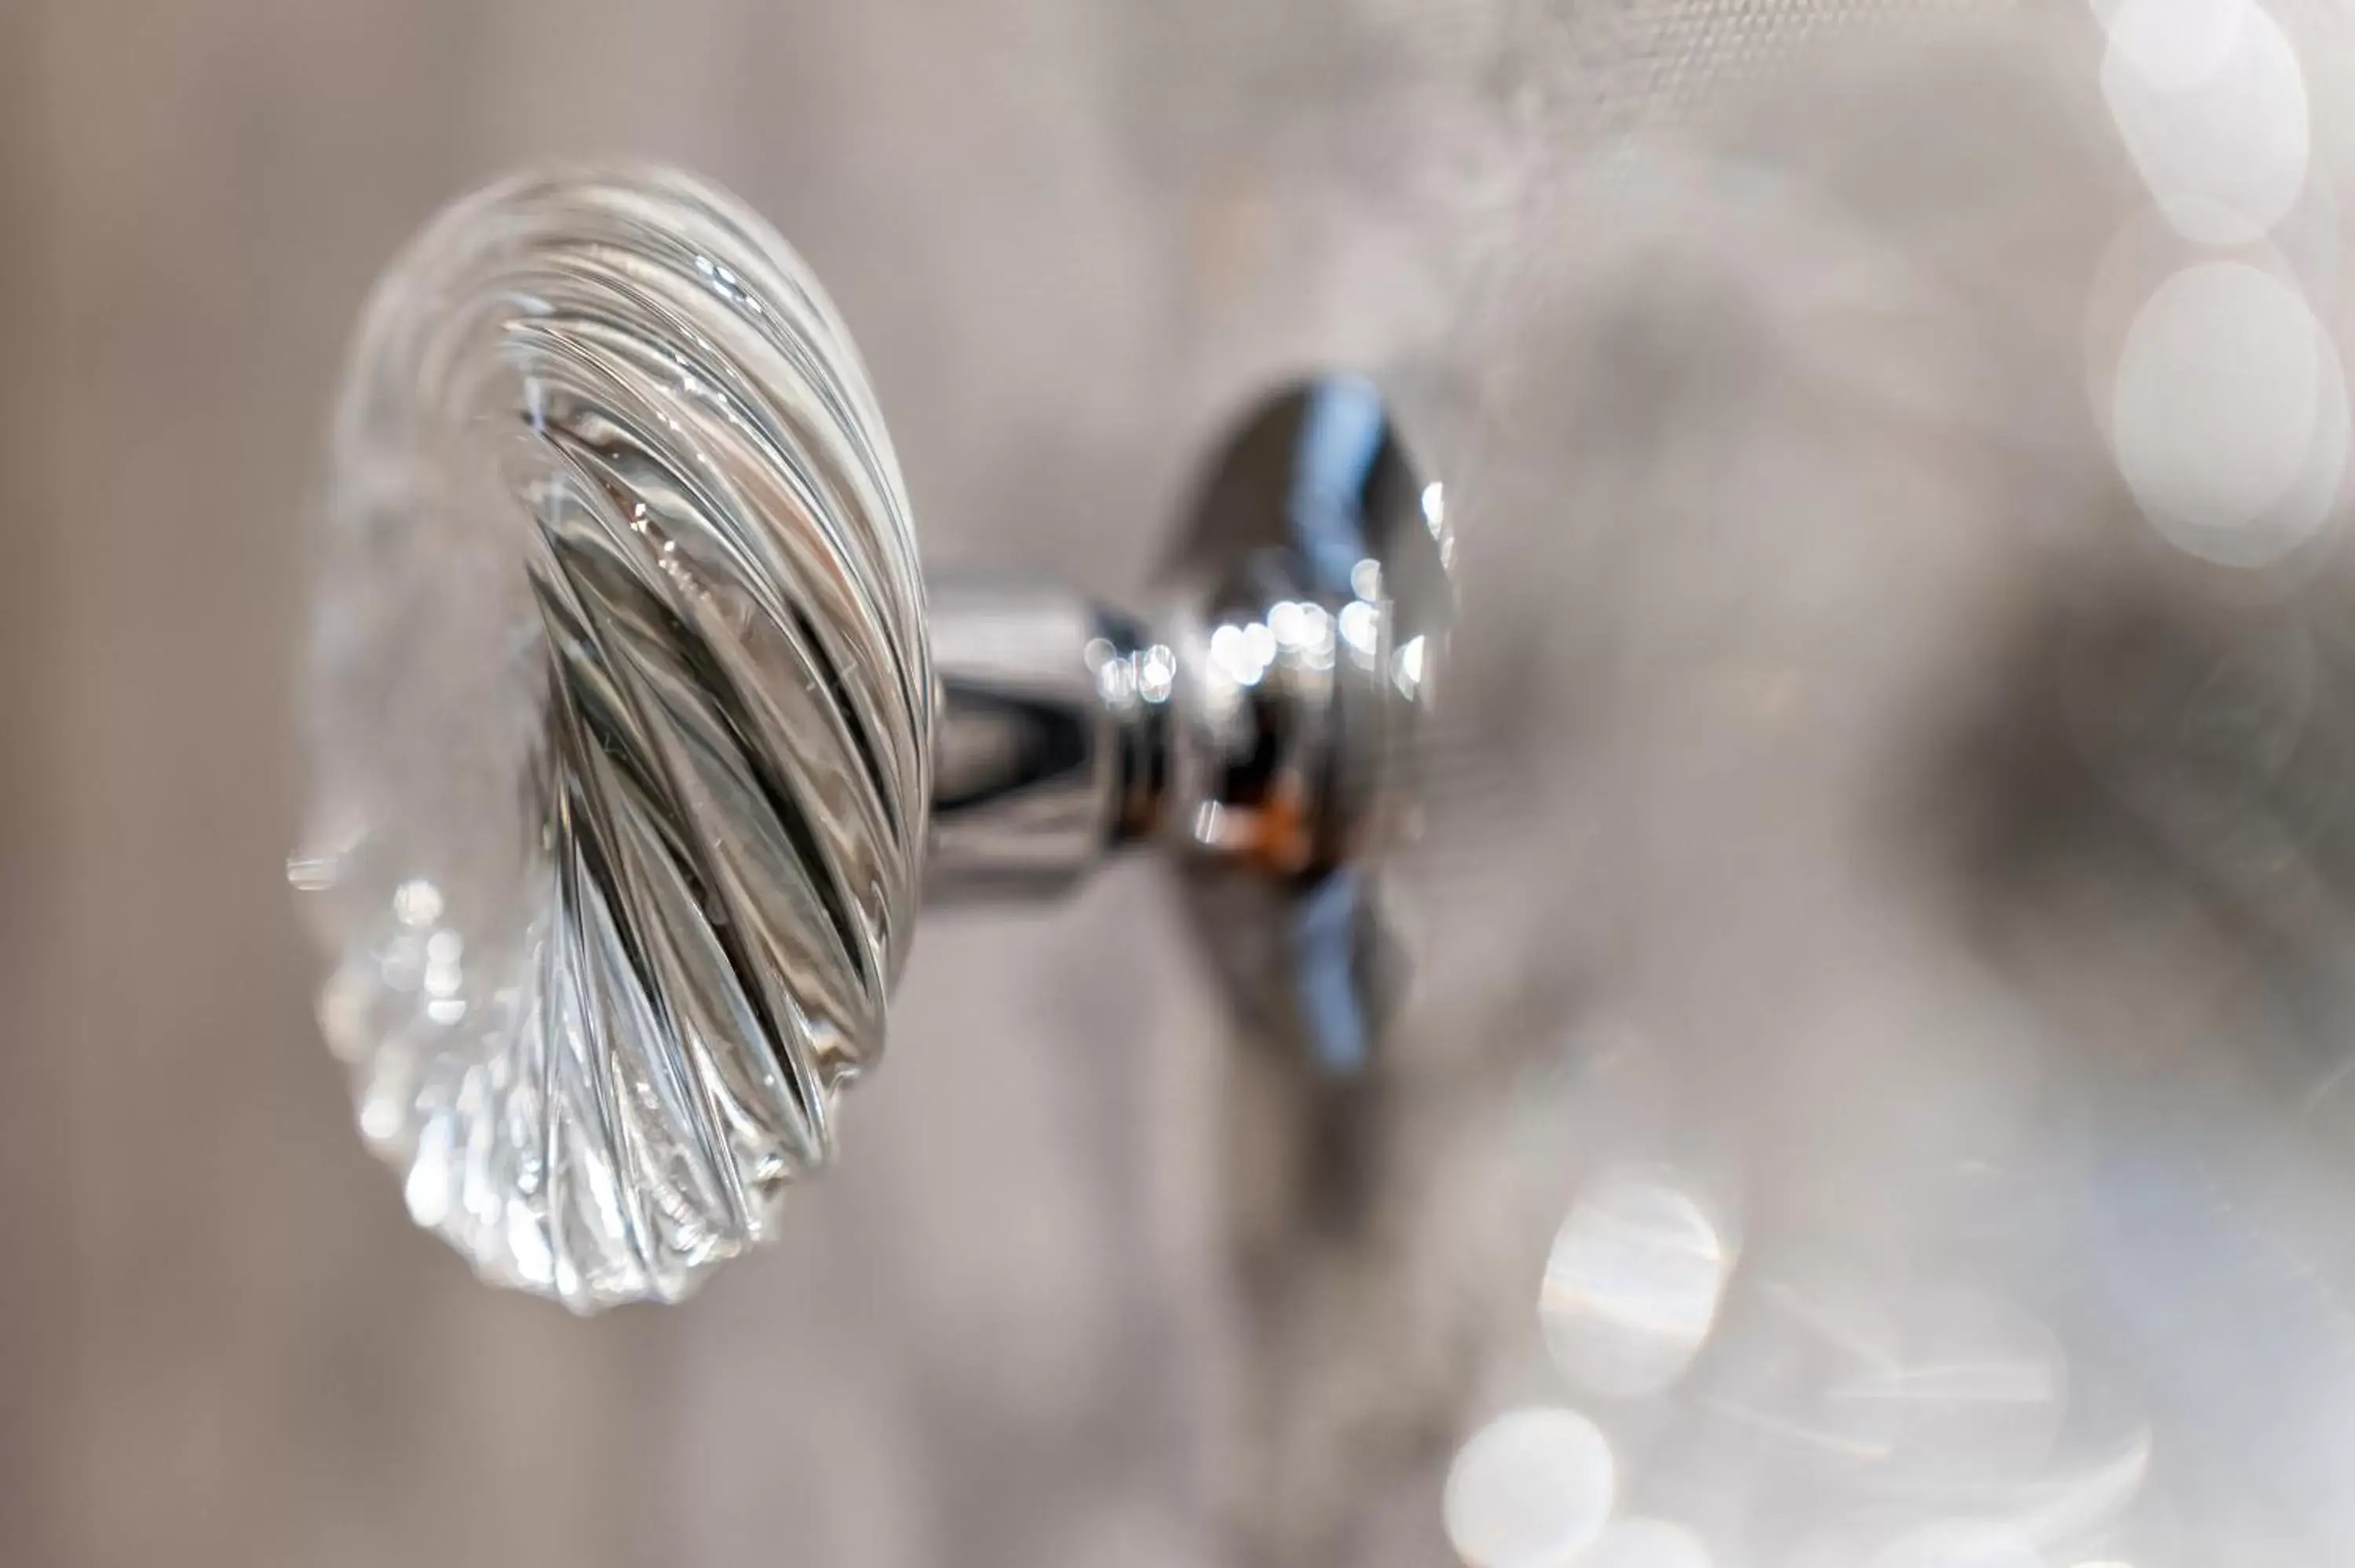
x: 618, y: 701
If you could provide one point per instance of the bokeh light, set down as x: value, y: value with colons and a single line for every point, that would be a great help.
x: 2211, y: 104
x: 1530, y: 1489
x: 1633, y: 1283
x: 2230, y: 418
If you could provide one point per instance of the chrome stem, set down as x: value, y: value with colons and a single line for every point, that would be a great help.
x: 1050, y: 744
x: 1261, y: 722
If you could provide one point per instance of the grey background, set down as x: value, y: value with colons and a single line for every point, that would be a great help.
x: 1021, y: 1325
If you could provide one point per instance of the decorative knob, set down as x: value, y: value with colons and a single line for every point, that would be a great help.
x: 629, y: 756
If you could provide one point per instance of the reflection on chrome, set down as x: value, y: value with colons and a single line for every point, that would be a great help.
x: 1156, y: 673
x: 1435, y: 518
x: 417, y: 902
x: 1240, y: 656
x: 1406, y: 667
x: 1632, y: 1285
x: 1530, y: 1489
x: 1300, y: 626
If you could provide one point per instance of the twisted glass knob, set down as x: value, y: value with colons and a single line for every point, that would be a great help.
x: 619, y: 714
x: 630, y: 758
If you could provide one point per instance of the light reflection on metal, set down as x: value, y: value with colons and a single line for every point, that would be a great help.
x: 1156, y: 673
x: 1261, y: 642
x: 1406, y: 671
x: 1306, y: 563
x: 417, y: 902
x: 1230, y: 656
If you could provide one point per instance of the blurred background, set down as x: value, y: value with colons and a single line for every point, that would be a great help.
x: 1873, y: 1092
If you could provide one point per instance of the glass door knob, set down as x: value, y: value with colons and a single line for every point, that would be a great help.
x: 637, y: 737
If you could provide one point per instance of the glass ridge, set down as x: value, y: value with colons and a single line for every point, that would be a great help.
x: 617, y: 703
